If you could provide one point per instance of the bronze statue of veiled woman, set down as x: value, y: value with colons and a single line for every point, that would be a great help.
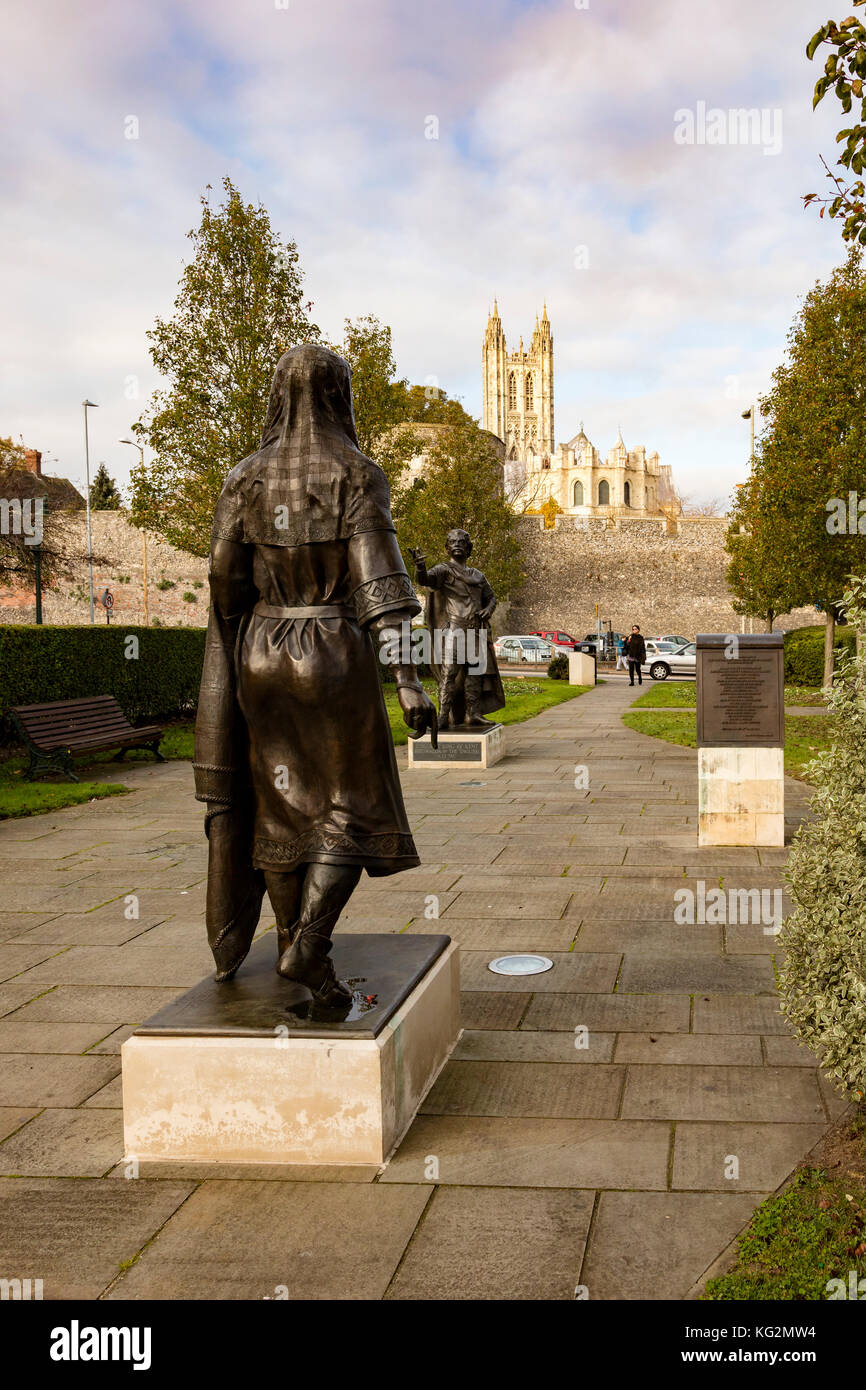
x: 293, y: 749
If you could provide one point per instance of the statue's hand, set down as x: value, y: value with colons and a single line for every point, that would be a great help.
x: 417, y: 555
x: 485, y: 615
x: 419, y: 712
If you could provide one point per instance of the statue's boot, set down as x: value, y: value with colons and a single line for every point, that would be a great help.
x: 307, y: 961
x: 475, y: 719
x: 285, y: 937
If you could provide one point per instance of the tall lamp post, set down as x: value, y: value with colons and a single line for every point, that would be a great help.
x: 140, y: 449
x: 92, y: 405
x: 750, y: 416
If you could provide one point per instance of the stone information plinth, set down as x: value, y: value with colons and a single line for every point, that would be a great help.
x: 741, y: 739
x: 246, y: 1072
x: 472, y: 747
x: 581, y: 668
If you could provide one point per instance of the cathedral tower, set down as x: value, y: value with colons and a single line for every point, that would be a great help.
x: 517, y: 390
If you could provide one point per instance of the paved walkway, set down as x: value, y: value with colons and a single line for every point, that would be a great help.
x: 536, y: 1165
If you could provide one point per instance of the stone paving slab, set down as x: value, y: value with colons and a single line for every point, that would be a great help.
x: 28, y: 1079
x: 490, y: 1243
x: 110, y: 1005
x: 764, y: 1153
x: 75, y: 1235
x: 486, y: 1045
x: 656, y: 1244
x: 485, y: 1152
x: 584, y: 972
x: 783, y: 1094
x: 530, y: 1090
x: 252, y: 1240
x: 65, y: 1143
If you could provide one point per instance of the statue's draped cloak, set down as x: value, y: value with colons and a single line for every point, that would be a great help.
x: 472, y: 583
x: 293, y: 748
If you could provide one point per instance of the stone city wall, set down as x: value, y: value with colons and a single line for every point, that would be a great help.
x: 118, y: 566
x: 668, y: 577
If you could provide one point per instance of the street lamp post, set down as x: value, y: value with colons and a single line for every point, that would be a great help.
x: 750, y: 416
x: 140, y: 449
x: 94, y: 406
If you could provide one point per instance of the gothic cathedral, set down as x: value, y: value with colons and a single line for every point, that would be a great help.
x: 517, y: 405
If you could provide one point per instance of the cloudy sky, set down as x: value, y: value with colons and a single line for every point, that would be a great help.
x: 671, y: 270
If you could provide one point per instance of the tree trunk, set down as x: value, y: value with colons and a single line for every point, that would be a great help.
x: 829, y: 634
x: 770, y: 616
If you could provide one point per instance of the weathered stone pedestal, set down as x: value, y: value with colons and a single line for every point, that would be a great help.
x: 741, y: 796
x: 474, y: 748
x: 244, y: 1072
x: 741, y: 739
x: 581, y: 668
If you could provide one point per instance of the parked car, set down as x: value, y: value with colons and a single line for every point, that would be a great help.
x: 559, y: 639
x: 677, y: 641
x: 664, y: 659
x: 519, y: 649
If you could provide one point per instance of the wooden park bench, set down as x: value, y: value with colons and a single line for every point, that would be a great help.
x: 53, y: 732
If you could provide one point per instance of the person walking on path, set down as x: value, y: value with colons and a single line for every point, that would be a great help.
x: 636, y: 651
x: 622, y: 654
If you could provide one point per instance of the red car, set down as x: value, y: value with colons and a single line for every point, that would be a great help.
x: 559, y: 639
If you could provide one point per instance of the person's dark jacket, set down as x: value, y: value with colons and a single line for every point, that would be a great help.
x: 636, y: 648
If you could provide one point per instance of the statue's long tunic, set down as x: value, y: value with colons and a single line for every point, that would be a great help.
x: 293, y: 753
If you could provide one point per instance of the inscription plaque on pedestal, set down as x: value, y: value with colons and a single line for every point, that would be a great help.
x: 741, y: 690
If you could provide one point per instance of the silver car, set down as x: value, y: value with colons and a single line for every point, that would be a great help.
x: 523, y: 649
x: 664, y: 659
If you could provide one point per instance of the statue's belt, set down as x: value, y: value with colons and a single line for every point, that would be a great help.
x: 317, y: 610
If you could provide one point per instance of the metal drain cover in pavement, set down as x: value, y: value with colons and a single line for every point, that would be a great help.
x: 520, y: 965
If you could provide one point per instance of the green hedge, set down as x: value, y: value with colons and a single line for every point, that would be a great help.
x: 39, y: 664
x: 804, y: 653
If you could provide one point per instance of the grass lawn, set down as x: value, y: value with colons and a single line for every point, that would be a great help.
x: 525, y: 698
x: 812, y: 1232
x: 670, y: 694
x: 20, y: 798
x: 805, y: 734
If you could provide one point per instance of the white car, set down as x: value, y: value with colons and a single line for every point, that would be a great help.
x: 523, y: 649
x: 664, y: 659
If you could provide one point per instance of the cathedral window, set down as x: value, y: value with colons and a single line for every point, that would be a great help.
x: 512, y: 391
x: 577, y: 493
x: 628, y: 494
x: 530, y: 393
x: 604, y: 493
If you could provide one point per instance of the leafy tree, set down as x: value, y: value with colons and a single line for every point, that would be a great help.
x: 430, y: 405
x: 810, y: 461
x: 844, y: 73
x: 381, y: 400
x: 822, y: 982
x: 11, y: 454
x: 239, y: 306
x: 462, y: 486
x: 104, y: 494
x: 758, y: 573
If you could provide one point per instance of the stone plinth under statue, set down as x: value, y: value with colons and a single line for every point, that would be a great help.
x: 244, y: 1071
x: 460, y: 748
x: 741, y: 739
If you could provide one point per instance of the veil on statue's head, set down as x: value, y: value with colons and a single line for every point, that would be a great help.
x: 308, y: 481
x: 311, y: 393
